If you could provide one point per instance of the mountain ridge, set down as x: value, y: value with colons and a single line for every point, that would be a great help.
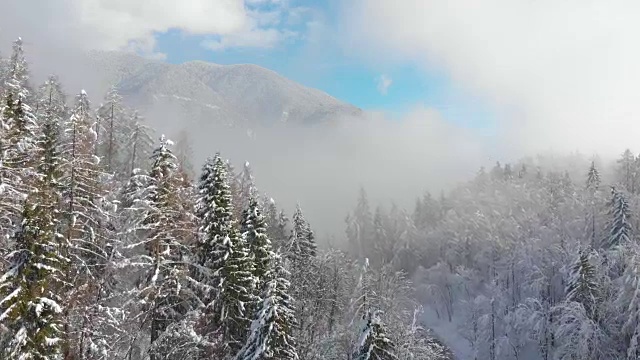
x: 235, y: 95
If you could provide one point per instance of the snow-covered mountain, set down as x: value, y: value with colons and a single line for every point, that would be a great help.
x: 235, y: 95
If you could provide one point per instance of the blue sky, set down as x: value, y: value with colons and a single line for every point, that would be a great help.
x: 314, y: 60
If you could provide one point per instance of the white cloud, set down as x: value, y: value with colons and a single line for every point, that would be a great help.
x: 261, y: 31
x: 384, y: 82
x: 134, y: 24
x: 563, y: 74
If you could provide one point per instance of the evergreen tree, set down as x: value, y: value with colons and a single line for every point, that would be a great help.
x: 374, y: 344
x: 223, y: 252
x: 271, y: 218
x: 18, y: 141
x: 88, y: 231
x: 232, y: 306
x: 139, y: 144
x: 254, y: 230
x: 628, y: 304
x: 360, y: 226
x: 235, y: 186
x: 302, y: 243
x: 277, y: 224
x: 626, y: 171
x: 214, y: 211
x: 593, y: 177
x: 272, y: 329
x: 184, y: 154
x: 582, y: 286
x: 247, y: 185
x: 161, y: 291
x: 593, y: 184
x: 31, y: 305
x: 110, y: 131
x: 83, y: 192
x: 620, y: 225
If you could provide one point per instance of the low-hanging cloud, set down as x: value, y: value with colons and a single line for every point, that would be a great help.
x: 323, y: 166
x: 561, y: 75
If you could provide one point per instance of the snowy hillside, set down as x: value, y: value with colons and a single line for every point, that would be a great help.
x: 235, y: 95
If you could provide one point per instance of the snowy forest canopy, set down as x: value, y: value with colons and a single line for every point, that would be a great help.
x: 116, y: 247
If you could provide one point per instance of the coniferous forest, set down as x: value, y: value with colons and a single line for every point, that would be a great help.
x: 115, y: 247
x: 113, y: 250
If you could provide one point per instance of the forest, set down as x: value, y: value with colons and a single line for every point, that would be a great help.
x: 115, y: 246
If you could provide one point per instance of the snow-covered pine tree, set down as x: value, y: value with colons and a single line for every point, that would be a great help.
x: 374, y: 343
x: 19, y: 135
x: 88, y: 232
x: 277, y: 224
x: 233, y: 303
x: 582, y: 286
x: 139, y: 145
x: 32, y: 301
x: 360, y: 226
x: 592, y: 187
x: 627, y: 303
x: 625, y: 172
x: 272, y: 329
x: 593, y: 177
x: 302, y: 243
x: 160, y: 291
x: 184, y: 154
x: 32, y: 289
x: 620, y: 223
x: 247, y: 185
x: 52, y: 111
x: 213, y: 209
x: 111, y: 129
x: 254, y: 231
x: 223, y: 252
x: 233, y: 181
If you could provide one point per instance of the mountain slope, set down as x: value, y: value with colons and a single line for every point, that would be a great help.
x: 234, y: 95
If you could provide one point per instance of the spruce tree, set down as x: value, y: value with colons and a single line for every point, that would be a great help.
x: 184, y: 154
x: 272, y: 329
x: 277, y: 224
x: 224, y: 253
x: 620, y: 223
x: 626, y: 171
x: 110, y: 131
x: 360, y: 226
x: 31, y: 305
x: 88, y: 231
x: 593, y: 177
x: 18, y: 141
x: 254, y: 230
x: 302, y: 243
x: 139, y: 145
x: 83, y: 192
x: 247, y: 185
x: 593, y: 184
x: 160, y: 291
x: 628, y: 303
x: 233, y: 304
x: 214, y: 211
x: 582, y: 286
x: 374, y: 343
x: 32, y: 288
